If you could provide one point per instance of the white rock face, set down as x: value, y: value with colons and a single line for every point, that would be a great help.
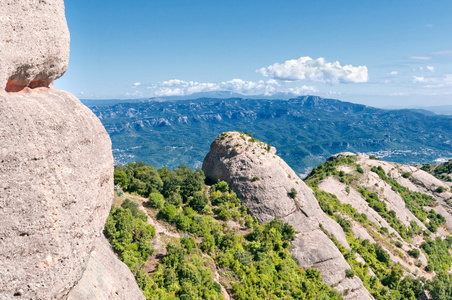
x: 56, y: 167
x: 106, y: 277
x: 34, y: 43
x: 264, y: 181
x: 56, y: 189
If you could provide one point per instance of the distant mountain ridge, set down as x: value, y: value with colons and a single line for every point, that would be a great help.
x: 306, y: 130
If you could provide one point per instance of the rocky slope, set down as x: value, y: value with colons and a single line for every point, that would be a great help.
x: 55, y: 164
x: 270, y: 188
x: 397, y: 186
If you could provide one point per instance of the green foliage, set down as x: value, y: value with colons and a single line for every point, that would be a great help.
x: 349, y: 273
x: 293, y: 193
x: 414, y: 201
x: 414, y: 253
x: 130, y: 235
x: 440, y: 287
x: 198, y: 201
x: 406, y: 175
x: 120, y: 178
x: 437, y: 252
x: 441, y: 171
x: 168, y: 213
x: 156, y: 200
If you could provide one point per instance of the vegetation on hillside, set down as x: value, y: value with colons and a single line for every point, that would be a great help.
x: 441, y: 171
x: 389, y: 281
x: 251, y: 259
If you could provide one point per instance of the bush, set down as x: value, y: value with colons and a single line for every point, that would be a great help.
x: 175, y: 199
x: 293, y: 193
x: 349, y: 273
x: 414, y: 253
x: 359, y: 169
x: 440, y: 189
x: 156, y: 200
x: 406, y: 175
x: 198, y: 201
x: 168, y: 213
x: 398, y: 244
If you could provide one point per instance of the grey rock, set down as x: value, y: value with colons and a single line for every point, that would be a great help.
x: 34, y: 43
x: 56, y: 189
x: 264, y: 182
x: 105, y: 277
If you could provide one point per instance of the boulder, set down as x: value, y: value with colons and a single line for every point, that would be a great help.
x: 56, y: 167
x: 56, y: 189
x: 34, y: 43
x: 270, y: 188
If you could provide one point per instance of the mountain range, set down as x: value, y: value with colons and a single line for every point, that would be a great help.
x: 306, y: 130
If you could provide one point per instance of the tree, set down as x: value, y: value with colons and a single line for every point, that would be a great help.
x: 156, y: 200
x: 198, y: 201
x: 120, y: 178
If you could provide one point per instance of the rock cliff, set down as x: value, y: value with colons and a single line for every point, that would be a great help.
x: 56, y: 165
x: 270, y: 188
x: 397, y: 187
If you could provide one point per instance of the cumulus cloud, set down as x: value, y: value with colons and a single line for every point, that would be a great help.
x: 431, y: 68
x: 421, y: 57
x: 315, y: 70
x: 177, y: 87
x: 434, y: 82
x: 393, y: 73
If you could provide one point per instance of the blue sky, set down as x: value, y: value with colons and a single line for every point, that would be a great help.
x: 380, y: 53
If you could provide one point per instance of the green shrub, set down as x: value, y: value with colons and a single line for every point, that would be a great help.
x: 156, y: 200
x: 414, y: 253
x: 293, y: 193
x: 349, y: 273
x: 167, y: 213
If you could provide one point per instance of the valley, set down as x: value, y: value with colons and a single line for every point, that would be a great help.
x: 306, y: 130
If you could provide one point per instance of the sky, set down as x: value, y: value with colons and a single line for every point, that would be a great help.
x: 380, y: 53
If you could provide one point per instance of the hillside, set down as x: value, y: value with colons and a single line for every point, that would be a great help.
x: 306, y: 130
x: 394, y: 228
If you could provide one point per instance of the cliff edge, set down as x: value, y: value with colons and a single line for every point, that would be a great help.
x: 56, y: 165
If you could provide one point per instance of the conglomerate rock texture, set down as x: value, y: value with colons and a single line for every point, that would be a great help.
x: 270, y: 188
x: 106, y: 277
x: 56, y: 190
x: 56, y: 169
x: 34, y: 43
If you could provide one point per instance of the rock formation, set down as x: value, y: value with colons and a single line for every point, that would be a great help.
x: 270, y: 188
x: 56, y: 165
x: 409, y: 177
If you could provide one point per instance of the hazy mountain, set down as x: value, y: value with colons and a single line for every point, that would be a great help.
x: 306, y: 130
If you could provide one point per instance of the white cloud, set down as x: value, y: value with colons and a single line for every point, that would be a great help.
x: 393, y: 73
x: 421, y: 57
x: 434, y: 82
x: 136, y: 84
x: 315, y: 70
x: 431, y: 68
x: 429, y: 25
x: 418, y: 79
x: 177, y: 87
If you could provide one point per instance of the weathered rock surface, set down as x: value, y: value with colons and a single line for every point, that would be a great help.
x: 34, y: 43
x: 417, y: 181
x: 264, y: 181
x: 105, y: 277
x: 56, y: 189
x: 56, y: 168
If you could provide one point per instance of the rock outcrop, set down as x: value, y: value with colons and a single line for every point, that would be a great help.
x: 56, y: 165
x: 270, y: 188
x: 106, y: 277
x: 409, y: 177
x: 34, y: 43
